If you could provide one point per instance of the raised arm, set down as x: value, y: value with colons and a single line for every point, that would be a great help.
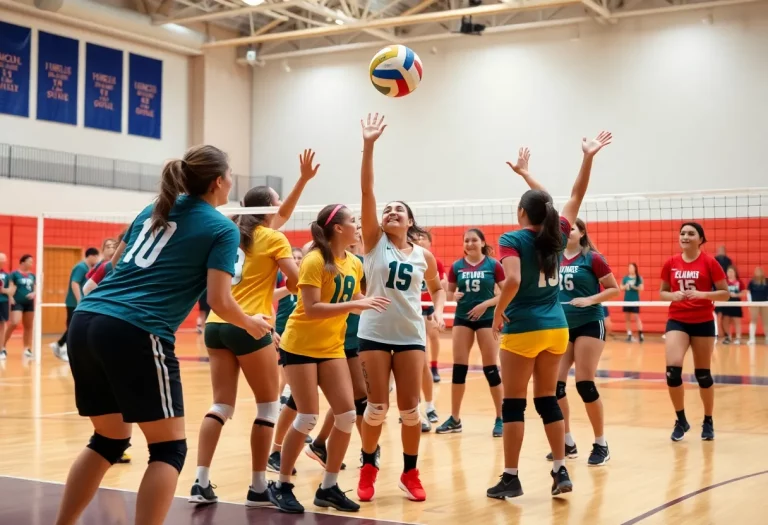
x: 521, y: 168
x: 372, y: 130
x: 590, y: 148
x: 306, y: 173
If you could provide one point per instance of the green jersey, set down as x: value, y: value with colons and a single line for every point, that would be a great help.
x: 25, y: 285
x: 79, y: 271
x: 477, y: 283
x: 536, y: 305
x: 4, y: 280
x: 631, y: 295
x: 353, y: 321
x: 580, y: 277
x: 285, y: 306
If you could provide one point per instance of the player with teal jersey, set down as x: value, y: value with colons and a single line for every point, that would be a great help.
x: 285, y: 305
x: 121, y: 339
x: 530, y: 319
x: 5, y: 304
x: 22, y: 283
x: 632, y: 284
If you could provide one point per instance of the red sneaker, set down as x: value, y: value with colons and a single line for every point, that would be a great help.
x: 411, y: 485
x: 365, y: 489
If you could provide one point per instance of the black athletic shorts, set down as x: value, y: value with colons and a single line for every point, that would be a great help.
x: 202, y: 303
x: 4, y: 311
x: 705, y: 329
x: 24, y: 307
x: 631, y: 309
x: 595, y: 329
x: 367, y: 345
x: 473, y: 325
x: 287, y: 359
x: 426, y: 311
x: 238, y: 341
x: 732, y: 311
x: 119, y: 368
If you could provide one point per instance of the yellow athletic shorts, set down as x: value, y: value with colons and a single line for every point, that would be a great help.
x: 531, y: 344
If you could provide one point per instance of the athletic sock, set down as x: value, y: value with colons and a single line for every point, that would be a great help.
x: 203, y: 476
x: 556, y: 464
x: 569, y: 439
x: 369, y: 459
x: 259, y: 481
x: 409, y: 462
x: 601, y: 441
x: 681, y: 416
x: 510, y: 471
x: 329, y: 480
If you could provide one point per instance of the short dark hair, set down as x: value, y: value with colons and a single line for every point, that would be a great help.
x: 91, y: 251
x: 24, y: 258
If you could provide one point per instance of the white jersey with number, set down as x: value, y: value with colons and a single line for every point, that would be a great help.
x: 396, y: 275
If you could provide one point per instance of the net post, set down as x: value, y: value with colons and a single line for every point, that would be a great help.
x: 38, y: 322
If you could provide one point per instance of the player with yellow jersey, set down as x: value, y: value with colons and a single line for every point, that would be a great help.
x: 312, y: 353
x: 262, y: 251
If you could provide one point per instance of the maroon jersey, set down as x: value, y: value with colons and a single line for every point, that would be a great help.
x: 701, y: 274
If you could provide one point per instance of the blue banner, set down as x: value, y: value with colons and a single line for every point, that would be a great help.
x: 145, y: 96
x: 14, y: 69
x: 57, y: 60
x: 103, y: 88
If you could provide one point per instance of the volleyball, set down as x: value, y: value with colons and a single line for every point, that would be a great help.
x: 396, y: 71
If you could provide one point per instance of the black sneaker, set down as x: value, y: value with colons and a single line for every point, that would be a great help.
x: 642, y: 338
x: 282, y: 497
x: 259, y: 499
x: 707, y: 431
x: 507, y: 487
x: 599, y: 455
x: 202, y: 495
x: 435, y: 376
x: 319, y: 454
x: 571, y: 452
x: 451, y: 426
x: 629, y: 338
x: 679, y: 431
x: 273, y: 463
x: 335, y: 498
x: 561, y: 482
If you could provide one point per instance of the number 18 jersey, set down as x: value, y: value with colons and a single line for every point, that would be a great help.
x: 701, y: 274
x: 396, y: 275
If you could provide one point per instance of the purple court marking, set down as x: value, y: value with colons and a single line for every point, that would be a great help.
x: 29, y: 502
x: 690, y: 495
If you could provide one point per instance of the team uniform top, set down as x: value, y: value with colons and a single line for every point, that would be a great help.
x: 758, y: 292
x: 701, y: 274
x: 398, y: 276
x: 322, y: 338
x: 580, y: 277
x: 631, y: 295
x: 285, y: 305
x: 536, y: 305
x: 4, y: 278
x: 425, y: 295
x: 734, y: 287
x: 255, y: 272
x: 78, y: 275
x: 97, y: 274
x: 353, y: 321
x: 160, y: 277
x: 25, y: 285
x: 477, y: 283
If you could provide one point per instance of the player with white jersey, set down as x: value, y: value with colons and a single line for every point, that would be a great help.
x: 393, y: 340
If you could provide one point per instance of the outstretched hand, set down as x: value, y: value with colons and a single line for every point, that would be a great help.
x: 373, y: 127
x: 591, y: 147
x: 521, y: 168
x: 305, y: 164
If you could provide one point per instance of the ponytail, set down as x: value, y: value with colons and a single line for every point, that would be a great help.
x: 549, y: 242
x: 322, y: 233
x: 172, y: 184
x: 258, y: 197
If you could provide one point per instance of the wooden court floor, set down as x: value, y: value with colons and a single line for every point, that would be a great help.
x: 649, y: 480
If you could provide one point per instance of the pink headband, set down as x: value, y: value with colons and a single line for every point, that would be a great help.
x: 330, y: 217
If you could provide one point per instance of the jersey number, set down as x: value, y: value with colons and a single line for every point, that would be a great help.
x: 239, y: 267
x: 686, y: 284
x: 472, y: 285
x: 545, y: 282
x: 344, y: 289
x: 399, y: 276
x: 566, y: 281
x: 143, y: 244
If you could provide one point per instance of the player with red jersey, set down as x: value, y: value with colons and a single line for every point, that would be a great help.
x: 688, y: 280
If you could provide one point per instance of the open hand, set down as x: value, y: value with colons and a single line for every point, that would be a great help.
x: 678, y: 296
x: 305, y: 165
x: 581, y: 302
x: 521, y: 168
x: 373, y: 127
x: 259, y: 326
x: 373, y: 303
x: 591, y: 147
x: 477, y: 312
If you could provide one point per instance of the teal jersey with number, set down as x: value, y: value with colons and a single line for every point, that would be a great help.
x: 162, y: 274
x: 353, y: 321
x: 77, y: 275
x: 285, y: 306
x: 4, y: 279
x: 580, y: 277
x: 25, y: 285
x: 536, y: 305
x: 631, y: 295
x: 477, y: 283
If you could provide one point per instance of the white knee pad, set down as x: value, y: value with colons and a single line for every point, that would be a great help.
x: 266, y: 413
x: 410, y: 417
x: 304, y: 423
x: 345, y: 421
x: 375, y: 413
x: 221, y: 412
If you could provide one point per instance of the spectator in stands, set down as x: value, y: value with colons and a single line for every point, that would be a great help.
x: 632, y: 284
x: 757, y: 291
x: 732, y: 314
x: 5, y: 308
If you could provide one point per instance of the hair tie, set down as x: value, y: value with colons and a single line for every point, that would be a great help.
x: 335, y: 210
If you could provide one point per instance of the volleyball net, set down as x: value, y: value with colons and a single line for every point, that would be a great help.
x: 639, y: 229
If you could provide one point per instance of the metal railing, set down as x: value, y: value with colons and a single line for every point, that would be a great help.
x: 23, y: 162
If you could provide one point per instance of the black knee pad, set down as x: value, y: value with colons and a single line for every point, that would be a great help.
x: 704, y: 377
x: 674, y: 375
x: 291, y: 403
x: 492, y: 375
x: 588, y: 391
x: 110, y: 449
x: 513, y: 410
x: 459, y: 374
x: 548, y: 409
x: 560, y: 391
x: 360, y: 405
x: 172, y: 452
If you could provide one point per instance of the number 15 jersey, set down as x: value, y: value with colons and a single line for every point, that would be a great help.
x: 396, y: 275
x: 701, y: 274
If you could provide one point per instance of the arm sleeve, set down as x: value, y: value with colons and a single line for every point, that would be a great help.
x: 279, y: 247
x: 716, y: 271
x: 452, y: 275
x: 99, y: 274
x: 311, y: 271
x: 509, y: 246
x: 280, y: 279
x: 600, y: 266
x: 223, y: 253
x: 498, y: 272
x: 665, y: 272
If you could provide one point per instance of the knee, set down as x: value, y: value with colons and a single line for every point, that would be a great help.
x: 110, y: 449
x: 375, y: 413
x: 560, y: 391
x: 345, y: 421
x: 266, y: 413
x: 220, y: 412
x: 459, y: 374
x: 304, y: 423
x: 360, y: 405
x: 172, y: 452
x: 548, y: 409
x: 588, y: 391
x: 291, y: 404
x: 492, y: 375
x: 513, y: 410
x: 410, y: 416
x: 674, y: 376
x: 704, y: 377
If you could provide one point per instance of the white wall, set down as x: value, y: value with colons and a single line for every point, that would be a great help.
x: 684, y: 100
x: 85, y: 141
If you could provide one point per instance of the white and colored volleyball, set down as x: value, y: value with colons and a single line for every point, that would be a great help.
x: 396, y: 71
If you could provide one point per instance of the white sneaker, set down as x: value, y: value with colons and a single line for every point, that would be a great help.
x: 59, y: 351
x: 737, y: 341
x: 28, y: 353
x: 3, y: 354
x: 751, y: 342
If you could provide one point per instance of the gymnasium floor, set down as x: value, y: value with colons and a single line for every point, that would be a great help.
x: 649, y: 480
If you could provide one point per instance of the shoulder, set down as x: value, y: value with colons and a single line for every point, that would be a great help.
x: 312, y: 257
x: 510, y: 238
x: 360, y: 258
x: 355, y: 261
